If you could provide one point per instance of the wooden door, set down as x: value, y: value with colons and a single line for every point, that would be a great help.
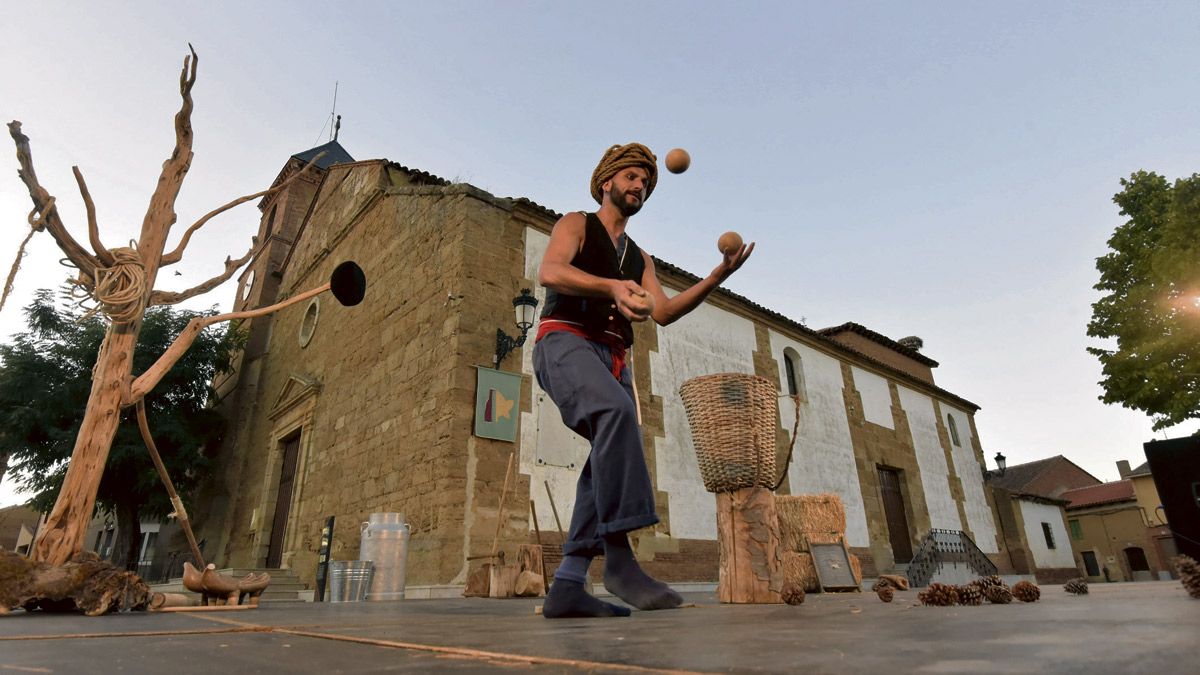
x: 283, y: 500
x: 893, y: 510
x: 1137, y: 559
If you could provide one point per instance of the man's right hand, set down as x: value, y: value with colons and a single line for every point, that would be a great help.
x: 632, y: 301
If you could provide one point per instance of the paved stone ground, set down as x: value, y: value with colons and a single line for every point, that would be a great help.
x: 1149, y: 627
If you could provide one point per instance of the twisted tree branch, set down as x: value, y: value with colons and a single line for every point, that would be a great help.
x: 231, y: 266
x: 104, y: 255
x: 160, y: 215
x: 146, y: 382
x: 43, y: 204
x: 177, y: 255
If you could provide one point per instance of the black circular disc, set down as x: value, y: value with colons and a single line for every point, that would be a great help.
x: 348, y: 283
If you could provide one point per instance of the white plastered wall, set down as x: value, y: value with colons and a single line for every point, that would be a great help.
x: 876, y: 399
x: 970, y: 476
x: 823, y: 458
x: 931, y: 459
x: 543, y: 434
x: 1033, y: 515
x: 705, y: 342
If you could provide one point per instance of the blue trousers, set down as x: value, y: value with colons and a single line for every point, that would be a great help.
x: 614, y: 493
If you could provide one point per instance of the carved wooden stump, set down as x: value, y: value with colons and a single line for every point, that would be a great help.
x: 748, y: 537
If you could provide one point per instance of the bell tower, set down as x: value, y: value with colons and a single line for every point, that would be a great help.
x: 258, y: 285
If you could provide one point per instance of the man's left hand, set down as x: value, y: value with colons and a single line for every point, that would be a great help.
x: 732, y: 261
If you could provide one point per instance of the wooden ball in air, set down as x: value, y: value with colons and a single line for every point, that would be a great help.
x: 678, y: 160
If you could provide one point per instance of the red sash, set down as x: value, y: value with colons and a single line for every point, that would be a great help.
x: 615, y: 345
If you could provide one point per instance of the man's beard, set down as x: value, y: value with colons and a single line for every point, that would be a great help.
x: 621, y: 201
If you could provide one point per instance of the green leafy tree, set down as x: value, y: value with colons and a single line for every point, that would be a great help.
x: 1151, y: 306
x: 45, y: 381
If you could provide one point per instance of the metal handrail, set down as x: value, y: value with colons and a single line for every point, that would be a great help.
x: 942, y: 546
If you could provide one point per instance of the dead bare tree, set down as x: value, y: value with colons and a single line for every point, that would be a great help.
x: 120, y: 281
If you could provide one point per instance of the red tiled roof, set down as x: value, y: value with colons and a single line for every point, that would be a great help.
x: 1105, y: 493
x: 1019, y: 477
x: 851, y: 327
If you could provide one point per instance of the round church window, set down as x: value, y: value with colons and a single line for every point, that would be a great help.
x: 308, y: 325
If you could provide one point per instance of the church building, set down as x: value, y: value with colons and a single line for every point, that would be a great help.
x: 346, y: 411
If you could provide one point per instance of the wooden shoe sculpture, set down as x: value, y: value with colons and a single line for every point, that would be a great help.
x: 222, y: 589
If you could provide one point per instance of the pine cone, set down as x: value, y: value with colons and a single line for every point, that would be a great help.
x: 1077, y: 586
x: 940, y: 595
x: 1189, y: 574
x: 998, y: 595
x: 792, y: 593
x: 969, y: 594
x: 1026, y: 591
x: 984, y: 582
x: 880, y: 584
x: 886, y: 592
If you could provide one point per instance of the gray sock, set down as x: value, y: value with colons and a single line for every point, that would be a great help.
x: 573, y: 568
x: 624, y: 578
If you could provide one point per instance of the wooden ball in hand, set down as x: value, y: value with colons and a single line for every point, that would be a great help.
x: 643, y: 305
x: 729, y: 242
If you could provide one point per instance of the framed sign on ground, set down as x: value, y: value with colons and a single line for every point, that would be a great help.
x: 832, y: 562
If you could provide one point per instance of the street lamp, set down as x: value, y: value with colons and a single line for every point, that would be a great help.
x: 1001, y: 463
x: 523, y: 306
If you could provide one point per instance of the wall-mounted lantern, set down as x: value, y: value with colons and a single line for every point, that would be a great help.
x: 523, y: 306
x: 1001, y: 463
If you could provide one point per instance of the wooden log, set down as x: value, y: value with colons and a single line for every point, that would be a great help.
x: 478, y: 582
x: 85, y: 584
x: 162, y: 601
x: 529, y: 584
x: 529, y: 558
x: 503, y: 581
x: 531, y: 581
x: 748, y: 539
x: 205, y: 608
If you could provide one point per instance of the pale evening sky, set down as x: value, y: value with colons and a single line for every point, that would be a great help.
x: 923, y: 168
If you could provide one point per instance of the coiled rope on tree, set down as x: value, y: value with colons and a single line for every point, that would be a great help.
x: 119, y: 291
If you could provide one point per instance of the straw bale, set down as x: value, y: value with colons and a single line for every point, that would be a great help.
x: 820, y: 518
x: 799, y: 569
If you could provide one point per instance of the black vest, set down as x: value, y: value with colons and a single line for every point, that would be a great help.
x: 599, y: 258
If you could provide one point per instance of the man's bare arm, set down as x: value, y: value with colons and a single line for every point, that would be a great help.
x: 669, y: 310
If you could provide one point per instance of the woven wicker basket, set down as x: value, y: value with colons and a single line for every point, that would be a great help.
x: 733, y: 418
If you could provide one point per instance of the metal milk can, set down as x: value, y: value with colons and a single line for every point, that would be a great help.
x: 385, y: 542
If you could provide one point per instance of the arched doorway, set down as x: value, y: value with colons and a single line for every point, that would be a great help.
x: 1139, y: 567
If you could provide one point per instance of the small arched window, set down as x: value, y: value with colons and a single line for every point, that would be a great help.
x: 953, y: 430
x: 793, y: 373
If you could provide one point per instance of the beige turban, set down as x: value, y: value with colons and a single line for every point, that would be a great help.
x: 621, y: 157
